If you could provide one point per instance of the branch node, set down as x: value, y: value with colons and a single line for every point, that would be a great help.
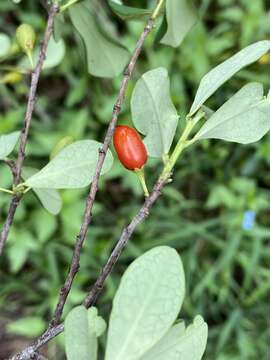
x: 149, y: 26
x: 127, y: 71
x: 116, y: 108
x: 77, y: 268
x: 146, y: 212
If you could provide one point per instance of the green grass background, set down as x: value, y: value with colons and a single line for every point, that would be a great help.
x: 200, y: 213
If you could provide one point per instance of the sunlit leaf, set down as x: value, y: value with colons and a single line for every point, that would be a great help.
x: 146, y: 304
x: 8, y: 143
x: 49, y: 198
x: 82, y: 328
x: 244, y: 118
x: 180, y: 343
x: 180, y: 17
x: 73, y: 167
x: 221, y: 73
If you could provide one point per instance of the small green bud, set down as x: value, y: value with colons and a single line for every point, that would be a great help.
x: 26, y: 37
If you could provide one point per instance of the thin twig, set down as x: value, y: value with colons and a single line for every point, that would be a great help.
x: 125, y: 236
x: 74, y: 267
x: 12, y: 165
x: 53, y: 331
x: 30, y: 351
x: 26, y: 125
x: 38, y: 356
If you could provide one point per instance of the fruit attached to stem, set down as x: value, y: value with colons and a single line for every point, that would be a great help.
x: 131, y: 151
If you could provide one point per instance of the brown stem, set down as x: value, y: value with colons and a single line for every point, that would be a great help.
x: 30, y: 351
x: 26, y: 125
x: 74, y: 267
x: 125, y: 236
x: 12, y: 165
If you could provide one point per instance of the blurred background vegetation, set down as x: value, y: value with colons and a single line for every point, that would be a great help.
x: 206, y: 213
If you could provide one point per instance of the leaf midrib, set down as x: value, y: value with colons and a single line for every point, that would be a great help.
x: 61, y: 171
x: 142, y: 310
x: 230, y: 118
x: 156, y: 113
x: 200, y: 97
x: 101, y: 45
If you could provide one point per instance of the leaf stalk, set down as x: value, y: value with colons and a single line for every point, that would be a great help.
x: 140, y: 174
x: 182, y: 143
x: 6, y: 191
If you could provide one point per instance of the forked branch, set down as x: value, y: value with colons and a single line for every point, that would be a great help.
x: 126, y: 234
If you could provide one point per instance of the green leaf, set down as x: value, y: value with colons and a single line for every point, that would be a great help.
x: 7, y: 143
x: 207, y: 111
x: 128, y: 12
x: 44, y: 225
x: 153, y: 112
x: 244, y: 118
x: 106, y: 57
x: 73, y: 167
x: 55, y: 54
x: 5, y: 44
x: 82, y: 328
x: 61, y: 144
x: 180, y: 343
x: 180, y: 16
x: 27, y: 327
x: 49, y: 198
x: 161, y: 31
x: 17, y: 255
x: 146, y: 304
x: 221, y: 73
x: 96, y: 323
x: 21, y: 244
x: 221, y: 196
x: 59, y: 26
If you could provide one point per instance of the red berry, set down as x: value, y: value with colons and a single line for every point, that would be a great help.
x: 129, y: 147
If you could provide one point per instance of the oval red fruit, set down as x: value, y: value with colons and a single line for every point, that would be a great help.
x: 129, y: 147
